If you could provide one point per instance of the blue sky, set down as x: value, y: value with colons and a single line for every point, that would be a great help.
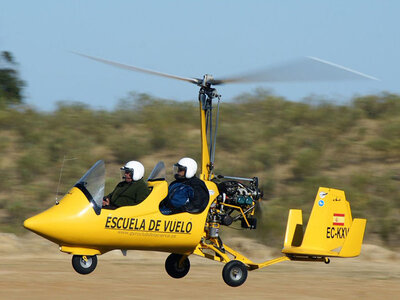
x: 191, y: 38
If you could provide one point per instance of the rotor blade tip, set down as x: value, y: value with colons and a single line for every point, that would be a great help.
x: 343, y: 68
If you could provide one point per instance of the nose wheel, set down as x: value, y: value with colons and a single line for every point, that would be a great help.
x: 84, y: 264
x: 234, y: 273
x: 177, y: 266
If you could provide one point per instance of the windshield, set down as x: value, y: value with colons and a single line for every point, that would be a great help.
x: 158, y: 172
x: 92, y: 185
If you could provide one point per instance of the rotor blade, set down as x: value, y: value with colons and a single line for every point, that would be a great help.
x: 302, y: 69
x: 132, y: 68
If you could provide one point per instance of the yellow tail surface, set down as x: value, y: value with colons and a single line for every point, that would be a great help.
x: 331, y: 230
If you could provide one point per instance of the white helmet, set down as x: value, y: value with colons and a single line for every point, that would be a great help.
x: 136, y: 169
x: 187, y: 164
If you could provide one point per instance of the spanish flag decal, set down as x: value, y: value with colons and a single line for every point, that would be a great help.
x: 338, y: 219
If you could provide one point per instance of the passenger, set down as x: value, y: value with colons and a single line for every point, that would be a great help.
x: 131, y: 191
x: 187, y: 192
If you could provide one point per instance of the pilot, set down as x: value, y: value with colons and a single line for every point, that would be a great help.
x: 187, y: 192
x: 131, y: 191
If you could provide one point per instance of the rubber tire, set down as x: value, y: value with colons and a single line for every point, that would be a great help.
x: 172, y: 266
x: 83, y: 267
x: 234, y: 273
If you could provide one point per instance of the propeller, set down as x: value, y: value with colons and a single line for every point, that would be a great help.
x: 299, y: 70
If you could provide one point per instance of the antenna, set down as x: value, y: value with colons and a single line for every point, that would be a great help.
x: 59, y: 178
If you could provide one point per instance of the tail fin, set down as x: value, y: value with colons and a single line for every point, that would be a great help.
x: 331, y: 230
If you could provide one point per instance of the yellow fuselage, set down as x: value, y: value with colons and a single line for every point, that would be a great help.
x: 74, y: 225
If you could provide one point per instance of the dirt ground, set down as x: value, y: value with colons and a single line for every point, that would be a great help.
x: 33, y: 268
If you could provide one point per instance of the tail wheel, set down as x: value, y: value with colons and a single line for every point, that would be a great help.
x: 84, y: 264
x: 234, y: 273
x: 327, y: 260
x: 175, y: 267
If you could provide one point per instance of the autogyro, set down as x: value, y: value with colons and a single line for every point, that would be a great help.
x: 81, y: 227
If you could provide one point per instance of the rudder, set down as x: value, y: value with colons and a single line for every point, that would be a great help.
x: 329, y: 222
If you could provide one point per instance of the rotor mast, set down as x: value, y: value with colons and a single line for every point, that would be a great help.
x: 208, y: 137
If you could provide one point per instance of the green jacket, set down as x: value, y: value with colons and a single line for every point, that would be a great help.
x: 129, y: 193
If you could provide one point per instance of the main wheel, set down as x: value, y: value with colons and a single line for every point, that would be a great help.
x: 234, y: 273
x: 84, y: 264
x: 174, y: 269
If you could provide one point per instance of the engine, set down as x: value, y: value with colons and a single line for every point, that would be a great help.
x: 236, y: 202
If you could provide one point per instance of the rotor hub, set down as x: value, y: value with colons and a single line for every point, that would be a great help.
x: 207, y: 80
